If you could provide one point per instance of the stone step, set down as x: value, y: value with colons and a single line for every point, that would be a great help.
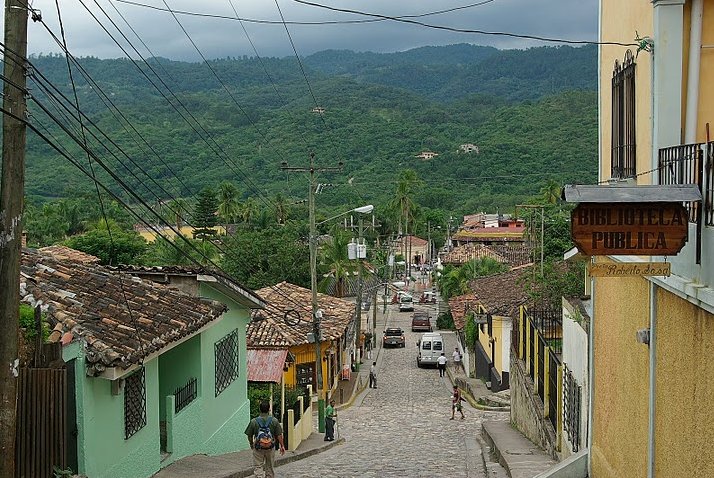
x: 518, y: 455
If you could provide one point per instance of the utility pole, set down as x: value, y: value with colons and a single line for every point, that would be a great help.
x: 542, y: 229
x: 313, y: 283
x: 359, y: 289
x: 12, y: 192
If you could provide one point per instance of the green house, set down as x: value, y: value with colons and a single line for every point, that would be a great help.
x: 154, y: 374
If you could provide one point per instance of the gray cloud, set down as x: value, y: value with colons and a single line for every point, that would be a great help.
x: 567, y: 19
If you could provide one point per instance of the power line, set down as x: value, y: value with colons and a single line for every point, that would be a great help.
x: 323, y: 22
x: 214, y: 145
x: 462, y: 30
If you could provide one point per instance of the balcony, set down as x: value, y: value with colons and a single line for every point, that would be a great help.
x: 691, y: 164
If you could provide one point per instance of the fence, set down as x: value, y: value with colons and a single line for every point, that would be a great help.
x: 185, y: 395
x: 539, y: 348
x: 41, y: 421
x: 297, y: 422
x: 572, y: 396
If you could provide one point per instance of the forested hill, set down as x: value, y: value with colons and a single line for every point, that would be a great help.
x: 452, y: 72
x: 532, y: 113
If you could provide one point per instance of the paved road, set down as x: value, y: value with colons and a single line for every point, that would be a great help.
x: 402, y: 428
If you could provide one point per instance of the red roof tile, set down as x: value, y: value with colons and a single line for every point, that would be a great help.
x: 90, y: 302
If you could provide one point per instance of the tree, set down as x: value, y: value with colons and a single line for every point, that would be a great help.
x: 248, y: 211
x: 228, y: 203
x: 204, y: 214
x: 111, y: 244
x: 551, y: 192
x: 335, y: 263
x: 177, y: 212
x: 179, y: 252
x: 260, y: 258
x: 281, y: 208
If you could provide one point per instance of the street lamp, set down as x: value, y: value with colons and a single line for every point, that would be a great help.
x: 317, y: 314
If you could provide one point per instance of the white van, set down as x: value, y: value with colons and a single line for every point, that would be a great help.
x: 430, y: 348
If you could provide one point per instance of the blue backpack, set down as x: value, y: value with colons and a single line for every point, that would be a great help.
x: 264, y: 438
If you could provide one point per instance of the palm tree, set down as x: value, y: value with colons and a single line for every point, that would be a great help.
x: 281, y: 208
x: 178, y: 210
x: 336, y: 262
x: 249, y: 210
x: 228, y: 204
x: 551, y: 192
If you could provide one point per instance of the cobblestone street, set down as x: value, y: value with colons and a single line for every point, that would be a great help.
x: 403, y: 427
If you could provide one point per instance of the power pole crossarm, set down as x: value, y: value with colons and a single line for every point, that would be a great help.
x: 12, y: 191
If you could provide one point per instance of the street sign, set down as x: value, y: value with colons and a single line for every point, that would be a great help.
x: 480, y: 319
x: 631, y: 269
x: 641, y: 229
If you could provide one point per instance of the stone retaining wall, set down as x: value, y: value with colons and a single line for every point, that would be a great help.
x: 527, y: 410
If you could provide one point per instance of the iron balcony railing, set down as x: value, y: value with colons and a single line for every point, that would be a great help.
x: 691, y: 164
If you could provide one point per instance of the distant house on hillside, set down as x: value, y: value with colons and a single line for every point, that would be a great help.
x: 468, y: 148
x: 426, y: 155
x: 318, y: 109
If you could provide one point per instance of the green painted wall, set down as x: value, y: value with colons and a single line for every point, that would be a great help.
x: 227, y: 415
x: 103, y: 451
x: 209, y: 425
x: 176, y: 367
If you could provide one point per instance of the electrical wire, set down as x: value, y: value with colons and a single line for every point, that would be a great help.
x: 280, y: 292
x: 323, y: 22
x: 463, y: 30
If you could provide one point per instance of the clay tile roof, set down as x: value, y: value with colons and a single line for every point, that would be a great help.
x: 268, y: 328
x: 67, y: 253
x: 460, y: 306
x: 468, y: 252
x: 501, y: 294
x: 415, y: 241
x: 88, y: 302
x: 491, y: 234
x: 221, y: 276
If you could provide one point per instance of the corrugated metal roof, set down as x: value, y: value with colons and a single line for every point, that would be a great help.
x: 266, y: 365
x: 645, y: 193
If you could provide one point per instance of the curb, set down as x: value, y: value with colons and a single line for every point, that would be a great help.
x: 472, y: 401
x: 284, y: 460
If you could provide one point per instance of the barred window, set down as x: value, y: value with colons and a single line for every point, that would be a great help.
x: 134, y: 403
x: 226, y: 352
x: 622, y: 163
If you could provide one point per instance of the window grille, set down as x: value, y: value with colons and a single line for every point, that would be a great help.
x: 134, y: 404
x: 226, y: 353
x: 185, y: 395
x: 623, y: 118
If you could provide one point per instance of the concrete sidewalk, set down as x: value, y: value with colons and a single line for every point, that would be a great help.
x: 240, y: 464
x: 518, y: 455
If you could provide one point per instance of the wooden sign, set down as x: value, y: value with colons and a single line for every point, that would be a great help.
x: 631, y: 269
x: 641, y: 229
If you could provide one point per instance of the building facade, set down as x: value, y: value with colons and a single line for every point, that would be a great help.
x: 649, y: 413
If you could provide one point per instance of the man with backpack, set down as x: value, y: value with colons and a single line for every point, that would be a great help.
x: 262, y: 433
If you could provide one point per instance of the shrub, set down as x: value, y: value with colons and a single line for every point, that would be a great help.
x: 445, y: 321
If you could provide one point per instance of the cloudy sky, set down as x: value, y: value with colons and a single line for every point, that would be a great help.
x: 222, y: 37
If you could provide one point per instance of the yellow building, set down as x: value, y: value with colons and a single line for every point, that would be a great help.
x: 269, y: 330
x: 651, y: 413
x: 168, y: 232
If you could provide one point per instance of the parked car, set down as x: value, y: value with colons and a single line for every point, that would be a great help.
x: 421, y: 322
x: 430, y: 347
x: 393, y: 337
x: 406, y: 303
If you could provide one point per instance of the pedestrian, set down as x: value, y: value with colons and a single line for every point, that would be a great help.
x: 330, y: 416
x: 262, y: 432
x: 456, y: 400
x: 373, y: 375
x: 457, y: 358
x: 441, y: 363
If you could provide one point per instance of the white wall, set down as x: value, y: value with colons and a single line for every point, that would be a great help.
x: 575, y: 356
